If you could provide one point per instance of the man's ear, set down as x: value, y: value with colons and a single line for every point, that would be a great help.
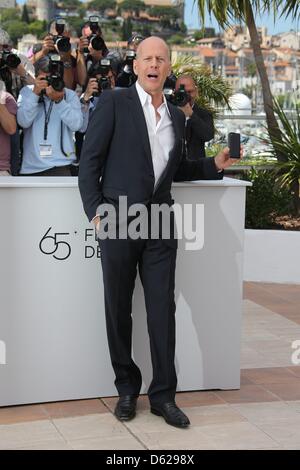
x: 135, y: 67
x: 169, y: 70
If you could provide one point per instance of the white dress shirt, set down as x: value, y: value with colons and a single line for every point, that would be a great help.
x: 160, y: 132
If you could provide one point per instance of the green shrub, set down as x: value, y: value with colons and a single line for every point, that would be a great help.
x: 265, y: 199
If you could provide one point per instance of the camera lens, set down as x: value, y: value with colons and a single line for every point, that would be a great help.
x: 97, y: 43
x: 63, y: 44
x: 12, y: 61
x: 105, y: 83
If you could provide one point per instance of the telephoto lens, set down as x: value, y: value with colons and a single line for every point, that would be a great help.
x: 129, y: 58
x: 97, y: 42
x: 9, y: 59
x: 56, y: 70
x: 181, y: 97
x: 95, y: 39
x: 62, y: 42
x: 104, y: 83
x: 169, y: 94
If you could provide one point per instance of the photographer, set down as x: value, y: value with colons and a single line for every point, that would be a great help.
x: 49, y: 114
x: 16, y: 70
x: 102, y: 79
x: 127, y: 77
x: 199, y: 122
x: 8, y: 127
x: 91, y: 50
x: 57, y: 41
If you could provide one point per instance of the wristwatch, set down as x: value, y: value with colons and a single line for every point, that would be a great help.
x: 67, y: 65
x: 83, y: 101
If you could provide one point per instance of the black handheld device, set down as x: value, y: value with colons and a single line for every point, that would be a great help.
x: 234, y: 144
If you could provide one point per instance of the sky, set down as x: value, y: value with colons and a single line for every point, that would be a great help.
x: 281, y: 25
x: 191, y: 20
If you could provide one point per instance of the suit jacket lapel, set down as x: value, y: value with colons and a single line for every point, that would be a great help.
x: 176, y: 124
x: 140, y: 121
x: 142, y: 132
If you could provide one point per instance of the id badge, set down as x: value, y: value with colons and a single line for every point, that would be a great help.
x: 45, y: 150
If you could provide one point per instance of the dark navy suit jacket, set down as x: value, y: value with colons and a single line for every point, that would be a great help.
x: 117, y: 147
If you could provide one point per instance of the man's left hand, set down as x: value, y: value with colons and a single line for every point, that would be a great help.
x: 54, y: 95
x: 223, y: 160
x: 187, y: 110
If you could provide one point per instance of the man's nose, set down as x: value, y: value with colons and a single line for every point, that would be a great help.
x: 154, y: 63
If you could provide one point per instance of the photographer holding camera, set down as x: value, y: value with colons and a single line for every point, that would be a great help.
x: 91, y: 50
x: 49, y: 114
x: 57, y: 41
x: 8, y: 127
x: 127, y: 77
x: 199, y: 121
x: 16, y: 69
x: 102, y: 79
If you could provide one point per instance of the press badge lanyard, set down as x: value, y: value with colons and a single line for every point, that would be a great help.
x: 47, y: 152
x: 47, y: 118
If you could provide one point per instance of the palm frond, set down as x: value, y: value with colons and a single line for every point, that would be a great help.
x: 287, y: 143
x: 213, y: 90
x: 291, y: 8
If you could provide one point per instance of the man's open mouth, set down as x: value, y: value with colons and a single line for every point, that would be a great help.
x: 152, y: 76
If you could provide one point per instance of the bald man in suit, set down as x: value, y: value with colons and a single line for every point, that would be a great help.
x: 136, y: 141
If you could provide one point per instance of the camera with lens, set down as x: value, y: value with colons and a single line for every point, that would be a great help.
x: 129, y: 58
x: 96, y: 41
x: 62, y: 42
x: 127, y: 77
x: 102, y: 68
x: 170, y: 82
x: 56, y: 73
x: 8, y: 59
x: 179, y: 97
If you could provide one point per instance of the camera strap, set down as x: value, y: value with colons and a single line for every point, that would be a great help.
x: 47, y: 117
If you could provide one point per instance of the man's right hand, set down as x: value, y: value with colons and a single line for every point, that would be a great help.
x: 39, y: 85
x: 90, y: 89
x: 48, y: 45
x: 83, y: 44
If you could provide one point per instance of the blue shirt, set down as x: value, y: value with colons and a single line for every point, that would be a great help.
x: 31, y: 116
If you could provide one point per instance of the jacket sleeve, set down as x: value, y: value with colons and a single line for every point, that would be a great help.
x: 191, y: 170
x: 202, y: 124
x: 94, y: 153
x: 70, y: 112
x: 202, y: 169
x: 28, y: 107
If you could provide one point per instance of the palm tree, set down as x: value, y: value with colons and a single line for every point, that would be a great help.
x: 226, y: 11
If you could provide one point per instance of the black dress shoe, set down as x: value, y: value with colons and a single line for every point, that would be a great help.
x: 125, y: 408
x: 172, y: 414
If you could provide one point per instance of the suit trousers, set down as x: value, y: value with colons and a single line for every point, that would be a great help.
x: 156, y: 262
